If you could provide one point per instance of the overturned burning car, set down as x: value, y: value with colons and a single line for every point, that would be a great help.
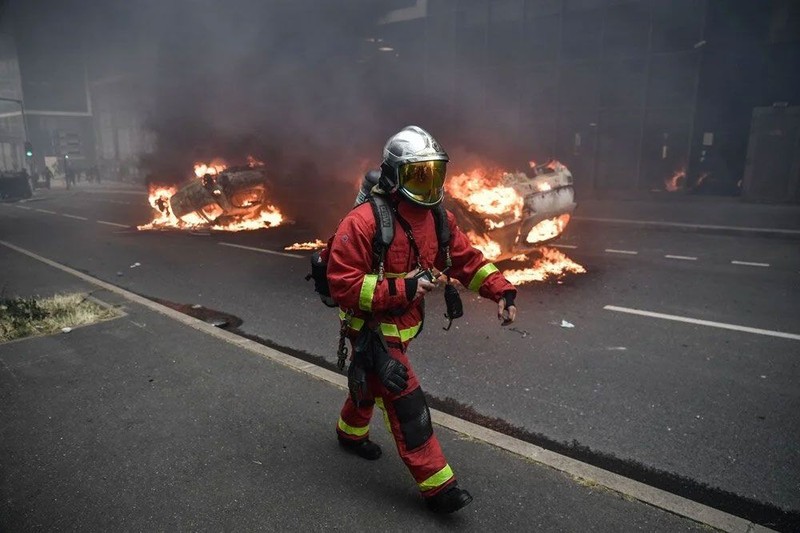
x: 230, y: 199
x: 507, y: 214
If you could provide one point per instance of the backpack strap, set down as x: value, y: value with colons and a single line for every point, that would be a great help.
x: 443, y: 233
x: 384, y: 233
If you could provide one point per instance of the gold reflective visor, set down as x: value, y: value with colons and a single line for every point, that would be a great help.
x: 423, y: 182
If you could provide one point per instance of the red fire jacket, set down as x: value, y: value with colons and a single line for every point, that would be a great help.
x: 355, y: 287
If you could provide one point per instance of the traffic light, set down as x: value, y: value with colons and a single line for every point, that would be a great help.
x: 28, y: 149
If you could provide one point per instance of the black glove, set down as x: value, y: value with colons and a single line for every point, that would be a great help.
x: 393, y: 375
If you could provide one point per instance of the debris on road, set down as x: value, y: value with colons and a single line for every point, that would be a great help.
x: 565, y: 324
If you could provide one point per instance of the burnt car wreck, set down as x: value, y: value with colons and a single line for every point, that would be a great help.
x: 230, y: 199
x: 514, y: 213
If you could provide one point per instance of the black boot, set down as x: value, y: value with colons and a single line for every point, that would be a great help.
x: 363, y: 448
x: 449, y: 500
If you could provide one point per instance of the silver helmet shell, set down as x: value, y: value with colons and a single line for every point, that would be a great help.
x: 409, y: 145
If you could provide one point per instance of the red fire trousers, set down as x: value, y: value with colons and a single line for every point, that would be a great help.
x: 407, y: 416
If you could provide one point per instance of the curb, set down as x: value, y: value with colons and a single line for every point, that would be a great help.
x: 639, y: 491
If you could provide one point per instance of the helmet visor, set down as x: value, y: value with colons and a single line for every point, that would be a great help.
x: 423, y: 182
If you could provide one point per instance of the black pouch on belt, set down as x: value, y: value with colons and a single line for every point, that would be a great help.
x: 359, y: 364
x: 452, y: 300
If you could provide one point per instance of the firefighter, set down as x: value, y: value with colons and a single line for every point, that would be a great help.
x: 382, y: 312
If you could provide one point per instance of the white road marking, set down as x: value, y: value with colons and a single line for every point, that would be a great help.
x: 76, y: 217
x: 748, y: 263
x: 113, y: 224
x: 699, y: 322
x: 111, y: 201
x: 569, y: 246
x: 23, y: 207
x: 577, y: 469
x: 682, y: 257
x: 47, y: 211
x: 626, y: 252
x: 683, y: 225
x: 262, y: 250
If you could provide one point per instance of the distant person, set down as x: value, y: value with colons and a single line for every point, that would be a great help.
x: 69, y: 175
x: 48, y: 176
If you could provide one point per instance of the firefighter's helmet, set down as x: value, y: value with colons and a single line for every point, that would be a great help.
x: 415, y: 165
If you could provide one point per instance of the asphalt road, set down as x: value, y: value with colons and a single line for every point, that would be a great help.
x: 712, y: 405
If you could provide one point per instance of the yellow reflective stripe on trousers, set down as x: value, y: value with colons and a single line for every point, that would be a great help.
x: 389, y: 330
x: 438, y: 479
x: 367, y: 292
x: 480, y: 275
x: 350, y: 430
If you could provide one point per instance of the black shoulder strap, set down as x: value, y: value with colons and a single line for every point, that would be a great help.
x: 384, y: 231
x: 443, y: 233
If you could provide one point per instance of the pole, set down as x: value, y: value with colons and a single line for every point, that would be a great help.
x: 24, y: 126
x: 22, y: 112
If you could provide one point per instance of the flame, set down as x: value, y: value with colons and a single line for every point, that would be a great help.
x: 266, y: 216
x: 675, y: 182
x: 490, y: 249
x: 158, y: 198
x: 552, y: 265
x: 213, y: 168
x: 311, y: 245
x: 547, y: 229
x: 485, y: 194
x: 252, y: 162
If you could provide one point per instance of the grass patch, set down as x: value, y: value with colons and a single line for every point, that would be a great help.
x: 25, y: 317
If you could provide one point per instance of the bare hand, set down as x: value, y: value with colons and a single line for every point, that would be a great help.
x: 423, y: 285
x: 507, y: 315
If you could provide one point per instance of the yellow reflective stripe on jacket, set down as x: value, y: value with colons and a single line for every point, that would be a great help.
x: 389, y: 330
x: 367, y: 292
x: 350, y: 430
x: 480, y: 275
x: 438, y: 479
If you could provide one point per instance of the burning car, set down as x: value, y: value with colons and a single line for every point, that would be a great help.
x: 507, y: 214
x: 229, y: 199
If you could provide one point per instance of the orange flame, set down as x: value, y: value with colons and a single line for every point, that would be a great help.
x: 266, y: 216
x: 213, y: 168
x: 311, y: 245
x: 552, y: 265
x: 252, y: 162
x: 675, y: 182
x: 485, y: 194
x: 490, y: 249
x: 547, y: 229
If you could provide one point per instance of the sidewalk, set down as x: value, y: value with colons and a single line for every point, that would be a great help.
x: 147, y: 423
